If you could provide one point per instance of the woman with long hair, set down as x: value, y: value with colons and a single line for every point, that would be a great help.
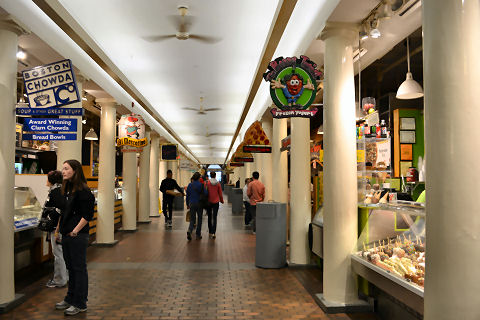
x: 74, y: 227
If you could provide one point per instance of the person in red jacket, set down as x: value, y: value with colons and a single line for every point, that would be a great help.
x: 214, y: 197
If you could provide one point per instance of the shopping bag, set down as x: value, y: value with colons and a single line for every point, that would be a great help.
x: 187, y: 216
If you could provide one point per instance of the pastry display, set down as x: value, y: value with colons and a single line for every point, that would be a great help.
x: 402, y: 257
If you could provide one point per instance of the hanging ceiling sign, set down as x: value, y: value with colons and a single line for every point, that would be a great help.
x: 51, y: 85
x: 168, y: 152
x: 292, y: 86
x: 256, y: 141
x: 240, y: 155
x: 47, y: 124
x: 236, y: 164
x: 49, y: 136
x: 131, y: 133
x: 49, y: 111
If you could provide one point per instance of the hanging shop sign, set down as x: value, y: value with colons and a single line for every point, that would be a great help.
x: 256, y: 141
x: 168, y: 152
x: 131, y: 133
x: 49, y: 136
x: 292, y: 86
x: 51, y: 85
x: 240, y: 155
x: 47, y: 124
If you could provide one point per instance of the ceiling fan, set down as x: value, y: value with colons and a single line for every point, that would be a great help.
x: 211, y: 134
x: 201, y: 110
x: 182, y: 24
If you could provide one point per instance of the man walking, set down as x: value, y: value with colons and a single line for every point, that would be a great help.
x: 256, y: 193
x: 166, y: 187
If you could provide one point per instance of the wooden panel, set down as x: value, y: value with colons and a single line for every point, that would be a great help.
x: 396, y: 143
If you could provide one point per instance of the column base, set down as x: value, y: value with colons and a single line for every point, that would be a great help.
x: 128, y: 231
x: 155, y: 216
x: 145, y: 222
x: 104, y: 245
x: 359, y: 306
x: 18, y: 300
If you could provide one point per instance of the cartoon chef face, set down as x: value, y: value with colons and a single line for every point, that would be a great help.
x: 294, y: 84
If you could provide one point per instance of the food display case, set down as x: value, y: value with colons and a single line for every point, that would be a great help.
x: 27, y: 209
x: 391, y: 251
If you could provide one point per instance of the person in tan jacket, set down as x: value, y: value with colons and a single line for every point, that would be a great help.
x: 256, y: 193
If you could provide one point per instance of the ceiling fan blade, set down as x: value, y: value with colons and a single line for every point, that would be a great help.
x: 205, y: 39
x: 189, y: 108
x: 182, y: 24
x: 219, y: 134
x: 212, y: 109
x: 158, y: 38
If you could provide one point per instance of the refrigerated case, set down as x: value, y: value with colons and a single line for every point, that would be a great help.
x: 391, y: 251
x: 27, y: 209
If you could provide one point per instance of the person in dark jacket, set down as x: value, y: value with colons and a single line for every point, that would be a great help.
x: 194, y: 191
x: 74, y: 227
x: 169, y: 184
x: 55, y: 199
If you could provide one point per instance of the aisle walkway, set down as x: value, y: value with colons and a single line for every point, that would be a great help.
x: 156, y: 274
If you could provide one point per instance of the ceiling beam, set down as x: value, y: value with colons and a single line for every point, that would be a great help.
x: 62, y: 24
x: 275, y: 35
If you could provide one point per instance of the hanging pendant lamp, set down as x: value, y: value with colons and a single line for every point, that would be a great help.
x: 409, y: 89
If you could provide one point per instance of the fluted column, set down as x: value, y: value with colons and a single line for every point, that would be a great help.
x: 340, y: 171
x: 144, y: 189
x: 267, y: 164
x: 154, y: 183
x: 451, y: 38
x: 9, y: 32
x: 106, y: 173
x: 72, y: 149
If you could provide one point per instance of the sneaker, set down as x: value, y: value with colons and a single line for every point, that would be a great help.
x: 199, y: 237
x: 189, y: 236
x: 213, y: 236
x: 71, y: 311
x: 50, y: 283
x: 62, y: 305
x: 210, y: 235
x: 170, y: 223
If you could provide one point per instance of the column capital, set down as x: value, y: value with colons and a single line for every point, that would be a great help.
x: 81, y: 78
x: 104, y: 102
x: 340, y: 29
x: 10, y: 23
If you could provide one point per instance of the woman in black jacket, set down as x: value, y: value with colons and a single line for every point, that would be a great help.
x: 74, y: 228
x: 56, y: 200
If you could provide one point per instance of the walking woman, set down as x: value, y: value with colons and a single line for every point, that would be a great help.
x: 194, y: 192
x: 74, y: 229
x: 56, y: 200
x: 214, y: 197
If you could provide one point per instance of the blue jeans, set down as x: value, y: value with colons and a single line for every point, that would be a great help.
x: 195, y: 213
x: 75, y: 255
x: 212, y: 212
x: 248, y: 215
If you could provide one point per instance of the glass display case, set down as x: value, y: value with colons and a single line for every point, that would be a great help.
x: 117, y: 193
x: 27, y: 209
x: 392, y: 244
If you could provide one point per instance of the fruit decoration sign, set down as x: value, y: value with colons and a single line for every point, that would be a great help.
x: 256, y: 141
x: 131, y: 133
x: 51, y: 85
x: 292, y: 86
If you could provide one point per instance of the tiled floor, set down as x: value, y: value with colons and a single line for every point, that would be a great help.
x: 156, y: 274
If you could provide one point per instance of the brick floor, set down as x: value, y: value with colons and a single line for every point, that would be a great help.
x: 156, y: 274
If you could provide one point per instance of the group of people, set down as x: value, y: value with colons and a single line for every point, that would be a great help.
x: 74, y: 205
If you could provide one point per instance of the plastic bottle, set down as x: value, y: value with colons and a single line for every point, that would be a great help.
x: 383, y: 126
x: 378, y: 130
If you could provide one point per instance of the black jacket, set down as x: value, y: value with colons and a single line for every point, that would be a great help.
x: 169, y: 184
x: 78, y: 205
x: 55, y: 199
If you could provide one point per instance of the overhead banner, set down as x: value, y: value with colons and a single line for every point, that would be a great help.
x: 49, y: 136
x: 242, y: 159
x: 131, y: 133
x: 47, y: 124
x: 236, y: 164
x: 49, y: 111
x: 292, y: 86
x: 51, y: 85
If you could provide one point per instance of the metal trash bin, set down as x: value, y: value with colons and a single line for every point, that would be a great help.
x: 228, y: 189
x: 236, y: 196
x: 271, y: 239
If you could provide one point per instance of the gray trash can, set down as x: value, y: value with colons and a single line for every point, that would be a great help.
x: 228, y: 189
x: 236, y: 196
x: 271, y: 247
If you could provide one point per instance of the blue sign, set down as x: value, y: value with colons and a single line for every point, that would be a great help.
x: 51, y: 85
x: 49, y: 136
x: 49, y: 111
x: 44, y: 125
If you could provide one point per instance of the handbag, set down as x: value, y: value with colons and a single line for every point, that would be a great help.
x: 187, y: 216
x: 47, y: 222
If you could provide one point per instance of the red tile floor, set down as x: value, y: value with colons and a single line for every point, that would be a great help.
x: 156, y: 274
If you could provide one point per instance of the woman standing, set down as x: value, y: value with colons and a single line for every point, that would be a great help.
x: 56, y: 200
x: 214, y: 197
x: 74, y: 228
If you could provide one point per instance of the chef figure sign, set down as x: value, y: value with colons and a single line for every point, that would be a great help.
x: 292, y: 86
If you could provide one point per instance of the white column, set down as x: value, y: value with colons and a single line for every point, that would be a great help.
x: 300, y: 205
x: 248, y: 169
x: 72, y: 149
x: 279, y: 162
x: 243, y: 175
x: 144, y: 189
x: 129, y: 192
x: 451, y: 77
x: 106, y: 173
x: 162, y: 170
x: 267, y: 161
x: 340, y: 171
x: 154, y: 183
x: 9, y: 33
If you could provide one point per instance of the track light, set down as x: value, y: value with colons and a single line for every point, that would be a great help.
x: 21, y: 55
x: 374, y: 32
